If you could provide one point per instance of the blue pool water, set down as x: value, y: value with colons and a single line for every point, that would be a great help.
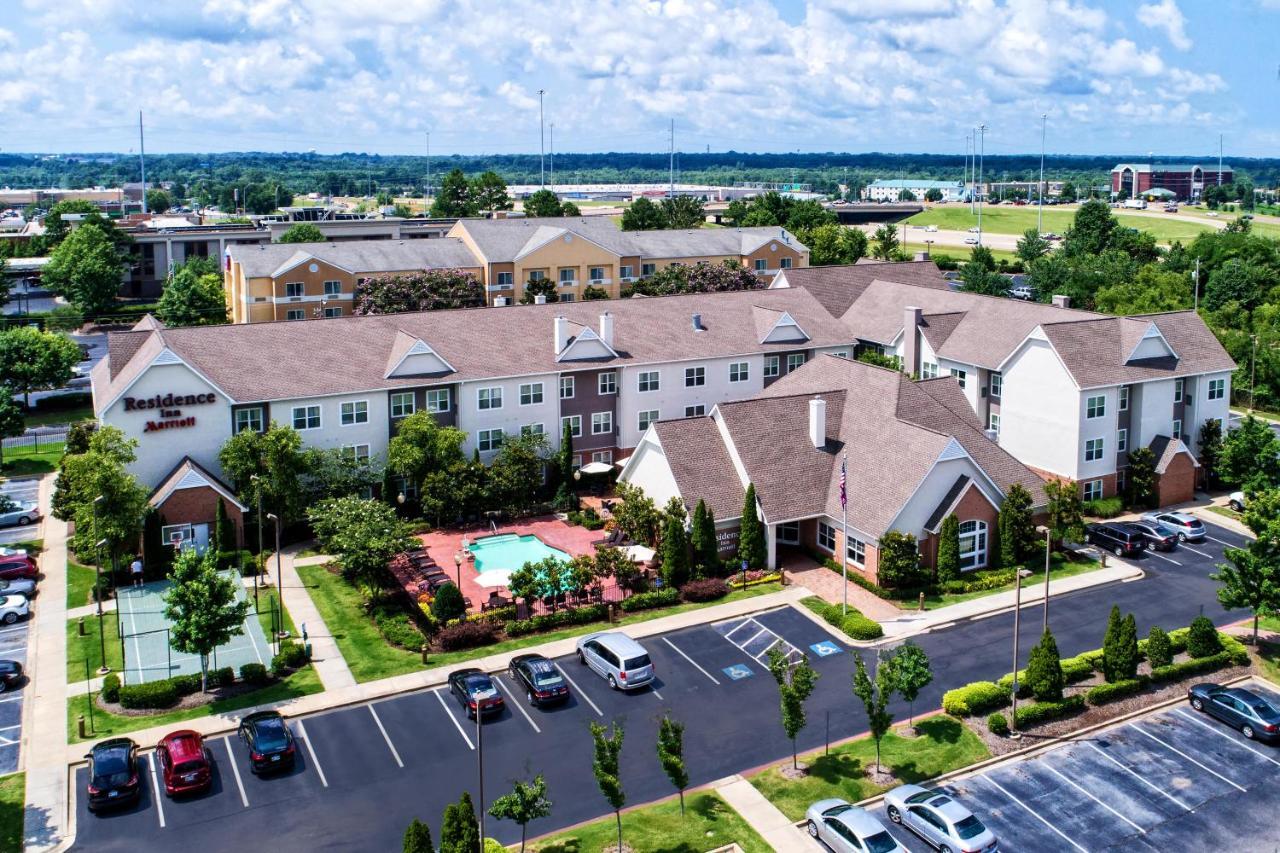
x: 511, y: 551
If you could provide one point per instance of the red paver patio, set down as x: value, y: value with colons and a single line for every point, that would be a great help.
x: 825, y: 583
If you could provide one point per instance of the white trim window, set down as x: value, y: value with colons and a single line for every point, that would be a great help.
x: 695, y: 411
x: 739, y: 371
x: 1093, y: 490
x: 605, y: 456
x: 1095, y: 407
x: 1178, y: 386
x: 772, y: 366
x: 784, y: 263
x: 645, y: 418
x: 761, y: 264
x: 826, y: 537
x: 249, y: 419
x: 648, y: 269
x: 533, y: 429
x: 1093, y: 449
x: 531, y: 393
x: 506, y: 279
x: 596, y: 274
x: 537, y: 275
x: 566, y: 387
x: 353, y: 412
x: 695, y: 377
x: 607, y: 383
x: 568, y: 275
x: 601, y: 423
x: 795, y: 361
x: 995, y: 384
x: 295, y: 314
x: 438, y: 400
x: 856, y: 552
x: 960, y: 376
x: 489, y: 398
x: 403, y: 404
x: 928, y: 370
x: 973, y: 544
x: 489, y: 439
x: 1177, y: 427
x: 1122, y: 440
x: 333, y: 311
x: 648, y: 380
x: 1217, y: 389
x: 294, y: 289
x: 625, y: 271
x: 1124, y: 399
x: 575, y: 425
x: 566, y: 297
x: 993, y: 422
x: 789, y: 533
x: 333, y: 288
x: 306, y: 417
x: 357, y: 452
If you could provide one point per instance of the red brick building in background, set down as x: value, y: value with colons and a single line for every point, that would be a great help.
x: 1185, y: 180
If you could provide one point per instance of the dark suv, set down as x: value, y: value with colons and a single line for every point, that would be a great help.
x: 113, y: 774
x: 1123, y: 540
x: 269, y: 740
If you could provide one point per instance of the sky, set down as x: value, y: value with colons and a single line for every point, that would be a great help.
x: 379, y: 76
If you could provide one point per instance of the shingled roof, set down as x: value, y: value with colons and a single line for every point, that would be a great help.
x: 701, y: 465
x: 269, y: 260
x: 838, y: 287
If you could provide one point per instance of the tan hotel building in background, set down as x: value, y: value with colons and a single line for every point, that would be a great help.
x: 283, y: 281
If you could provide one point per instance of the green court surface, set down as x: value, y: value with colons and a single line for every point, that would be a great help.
x: 144, y: 636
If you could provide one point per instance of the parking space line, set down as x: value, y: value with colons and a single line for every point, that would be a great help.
x: 1064, y: 778
x: 391, y: 746
x: 1034, y: 813
x: 756, y: 637
x: 10, y: 728
x: 311, y: 751
x: 580, y: 691
x: 655, y: 692
x: 235, y: 768
x: 513, y: 700
x: 1146, y: 782
x: 1220, y: 542
x: 776, y: 640
x: 690, y: 660
x: 1221, y: 733
x: 744, y: 623
x: 1169, y: 746
x: 1152, y: 553
x: 155, y: 786
x: 1196, y: 551
x: 454, y: 720
x: 11, y: 699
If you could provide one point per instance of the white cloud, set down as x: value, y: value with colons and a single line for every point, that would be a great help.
x: 1166, y: 16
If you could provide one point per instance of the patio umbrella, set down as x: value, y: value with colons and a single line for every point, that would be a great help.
x: 494, y: 577
x: 596, y: 468
x: 639, y: 553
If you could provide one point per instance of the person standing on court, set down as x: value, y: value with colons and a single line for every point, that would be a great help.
x: 135, y: 571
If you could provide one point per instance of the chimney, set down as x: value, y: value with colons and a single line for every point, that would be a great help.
x: 540, y: 299
x: 818, y: 422
x: 606, y: 328
x: 1061, y: 301
x: 911, y: 319
x: 697, y: 323
x: 922, y: 256
x: 562, y: 333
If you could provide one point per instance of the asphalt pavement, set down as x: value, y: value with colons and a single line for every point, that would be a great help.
x: 20, y: 490
x: 13, y: 646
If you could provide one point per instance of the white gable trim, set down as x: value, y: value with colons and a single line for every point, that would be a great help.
x: 1037, y: 334
x: 954, y: 450
x: 779, y: 281
x: 194, y: 479
x: 1152, y: 331
x: 650, y: 436
x: 166, y: 356
x: 587, y: 334
x: 282, y: 269
x: 786, y: 320
x: 972, y: 484
x: 419, y: 347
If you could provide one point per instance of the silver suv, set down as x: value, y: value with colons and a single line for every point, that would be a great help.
x: 617, y: 659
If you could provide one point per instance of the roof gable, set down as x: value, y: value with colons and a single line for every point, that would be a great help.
x: 189, y: 474
x: 584, y: 344
x: 778, y: 326
x: 412, y: 356
x: 301, y: 257
x: 1144, y: 340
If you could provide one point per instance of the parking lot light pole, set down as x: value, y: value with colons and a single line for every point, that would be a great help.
x: 480, y: 768
x: 102, y: 637
x: 279, y: 572
x: 1017, y: 608
x: 257, y: 565
x: 1048, y: 546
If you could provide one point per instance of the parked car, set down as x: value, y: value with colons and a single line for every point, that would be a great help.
x: 932, y: 229
x: 1120, y: 539
x: 12, y: 552
x: 18, y: 586
x: 270, y: 743
x: 846, y: 828
x: 1188, y: 527
x: 1023, y: 291
x: 13, y: 608
x: 12, y: 568
x: 542, y: 682
x: 1253, y: 715
x: 20, y: 513
x: 973, y: 230
x: 1237, y: 501
x: 971, y: 241
x: 184, y: 763
x: 1159, y: 537
x: 938, y: 819
x: 10, y: 674
x: 617, y: 659
x: 475, y: 690
x: 113, y: 774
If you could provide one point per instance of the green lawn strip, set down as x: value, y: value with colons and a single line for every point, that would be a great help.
x: 1013, y: 219
x: 1059, y: 568
x: 80, y: 581
x: 34, y: 547
x: 13, y: 790
x: 708, y: 822
x: 57, y: 417
x: 266, y: 601
x: 1261, y: 413
x: 300, y: 683
x: 90, y: 647
x: 944, y: 744
x: 1225, y: 511
x: 27, y: 461
x: 1269, y: 662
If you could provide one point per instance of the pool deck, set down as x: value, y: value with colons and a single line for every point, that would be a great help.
x: 443, y: 544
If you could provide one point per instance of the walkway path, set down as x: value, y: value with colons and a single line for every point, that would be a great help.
x: 764, y: 817
x: 828, y: 584
x: 327, y: 659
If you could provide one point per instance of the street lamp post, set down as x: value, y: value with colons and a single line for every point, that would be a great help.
x: 1048, y: 544
x: 1040, y: 191
x: 457, y: 566
x: 982, y: 150
x: 97, y: 590
x: 257, y: 565
x: 1017, y: 607
x: 102, y: 637
x: 480, y: 768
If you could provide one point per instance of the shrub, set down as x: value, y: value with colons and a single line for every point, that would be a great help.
x: 1179, y: 671
x: 1178, y: 640
x: 1202, y: 638
x: 1104, y: 693
x: 559, y: 619
x: 1120, y: 654
x: 448, y: 603
x: 649, y: 600
x: 1104, y: 507
x: 467, y: 635
x: 707, y: 589
x: 397, y: 628
x: 998, y: 724
x: 254, y: 673
x: 1042, y: 712
x: 185, y: 685
x: 224, y: 677
x: 153, y: 694
x: 1233, y: 647
x: 291, y: 656
x: 974, y: 698
x: 1077, y: 668
x: 1045, y: 679
x: 1157, y: 648
x: 111, y: 688
x: 853, y: 623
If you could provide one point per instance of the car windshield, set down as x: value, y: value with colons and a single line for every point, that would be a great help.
x: 1262, y: 707
x: 1162, y: 530
x: 111, y: 768
x: 187, y: 767
x: 636, y: 662
x: 480, y: 685
x: 547, y: 677
x: 881, y: 842
x: 969, y: 827
x: 270, y: 734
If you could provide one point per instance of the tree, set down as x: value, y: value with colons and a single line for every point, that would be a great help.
x: 1159, y: 650
x: 702, y: 277
x: 643, y: 215
x: 983, y: 257
x: 1140, y: 481
x: 795, y: 684
x: 606, y: 749
x: 706, y: 551
x: 421, y: 445
x: 489, y: 192
x: 86, y: 269
x: 671, y: 755
x: 1202, y: 638
x: 101, y: 471
x: 913, y: 672
x: 1120, y: 647
x: 539, y: 286
x: 74, y: 485
x: 1044, y: 677
x: 1150, y: 292
x: 527, y: 802
x: 1068, y: 192
x: 427, y: 290
x: 675, y: 554
x: 591, y: 293
x: 56, y: 228
x: 976, y: 278
x: 949, y: 549
x: 302, y: 232
x: 417, y: 838
x: 1237, y: 282
x: 192, y: 300
x: 682, y: 212
x: 1210, y: 446
x: 158, y: 201
x: 1252, y: 581
x: 566, y: 499
x: 905, y: 194
x: 460, y: 831
x: 751, y: 545
x: 885, y: 242
x: 223, y: 534
x: 203, y: 607
x: 1065, y: 509
x: 543, y: 203
x: 516, y: 473
x: 1091, y: 230
x: 1249, y: 455
x: 569, y: 209
x: 454, y: 197
x: 832, y: 243
x: 269, y: 465
x: 899, y: 560
x: 1031, y: 247
x: 635, y: 514
x: 333, y: 472
x: 1017, y: 531
x: 363, y: 535
x: 875, y: 697
x: 12, y: 421
x: 32, y: 360
x: 933, y: 195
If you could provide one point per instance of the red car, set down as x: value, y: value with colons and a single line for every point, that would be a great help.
x: 16, y: 566
x: 184, y: 763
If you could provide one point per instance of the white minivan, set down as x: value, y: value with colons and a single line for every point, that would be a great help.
x: 617, y: 659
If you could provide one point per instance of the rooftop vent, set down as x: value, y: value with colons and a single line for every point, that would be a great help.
x: 818, y: 422
x: 697, y: 323
x: 1061, y: 301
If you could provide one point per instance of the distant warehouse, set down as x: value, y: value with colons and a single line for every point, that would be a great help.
x: 1186, y: 181
x: 892, y: 190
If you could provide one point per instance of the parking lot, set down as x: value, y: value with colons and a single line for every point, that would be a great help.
x: 13, y: 646
x: 1173, y: 780
x: 20, y: 490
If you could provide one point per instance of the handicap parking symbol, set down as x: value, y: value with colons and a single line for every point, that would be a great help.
x: 825, y: 649
x: 738, y: 671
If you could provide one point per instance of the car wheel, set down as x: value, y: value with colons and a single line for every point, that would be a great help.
x: 813, y: 829
x: 582, y: 659
x: 944, y: 849
x: 1247, y: 731
x: 1197, y: 704
x: 1182, y: 537
x: 4, y: 685
x: 1234, y: 505
x: 23, y: 521
x: 613, y: 685
x: 10, y: 618
x: 894, y: 814
x: 1119, y: 552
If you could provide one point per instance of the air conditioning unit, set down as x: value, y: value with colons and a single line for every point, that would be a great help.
x: 500, y: 301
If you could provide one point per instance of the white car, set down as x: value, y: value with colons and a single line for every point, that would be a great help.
x: 939, y: 819
x: 846, y: 828
x: 932, y: 229
x: 971, y: 241
x: 973, y: 230
x: 1236, y: 501
x: 13, y: 608
x: 20, y: 513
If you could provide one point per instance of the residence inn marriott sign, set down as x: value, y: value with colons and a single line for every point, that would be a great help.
x: 170, y: 411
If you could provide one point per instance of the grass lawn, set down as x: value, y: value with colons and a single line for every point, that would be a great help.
x: 28, y: 461
x: 944, y: 744
x: 708, y: 822
x: 1059, y: 568
x: 13, y: 790
x: 79, y: 648
x: 960, y: 254
x: 1261, y: 413
x: 1225, y: 511
x: 80, y: 581
x: 300, y: 683
x: 266, y: 601
x: 62, y: 409
x: 1009, y: 219
x: 1269, y: 662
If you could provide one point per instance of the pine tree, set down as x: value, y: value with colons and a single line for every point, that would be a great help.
x: 417, y: 838
x: 1120, y: 655
x: 1017, y: 530
x: 751, y: 547
x: 675, y: 554
x: 703, y: 539
x: 460, y: 830
x: 222, y: 538
x: 671, y: 755
x: 1044, y: 677
x: 1159, y: 652
x: 949, y: 549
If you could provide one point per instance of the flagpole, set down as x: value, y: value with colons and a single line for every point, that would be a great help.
x: 844, y: 556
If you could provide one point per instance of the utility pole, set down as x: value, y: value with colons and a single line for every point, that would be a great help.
x: 552, y: 146
x: 428, y: 164
x: 673, y: 160
x: 1044, y: 118
x: 142, y: 161
x: 969, y: 181
x: 982, y: 150
x: 1195, y: 286
x: 1219, y: 174
x: 542, y: 149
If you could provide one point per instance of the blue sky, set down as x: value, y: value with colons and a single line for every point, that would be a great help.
x: 1165, y: 76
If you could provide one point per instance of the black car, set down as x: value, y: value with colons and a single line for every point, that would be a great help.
x: 1159, y: 537
x: 542, y: 682
x: 1123, y: 540
x: 10, y: 674
x: 476, y: 691
x: 269, y: 740
x: 1253, y: 715
x: 113, y: 774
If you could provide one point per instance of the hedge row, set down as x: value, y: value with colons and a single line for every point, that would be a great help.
x: 397, y: 628
x: 161, y: 694
x: 649, y: 600
x: 704, y: 589
x: 558, y: 619
x: 467, y: 635
x: 1042, y: 712
x: 853, y: 623
x: 976, y: 697
x: 1104, y: 693
x: 1074, y: 669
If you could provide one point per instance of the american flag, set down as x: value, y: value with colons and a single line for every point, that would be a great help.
x: 844, y: 498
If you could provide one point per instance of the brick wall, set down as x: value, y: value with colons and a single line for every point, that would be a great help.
x: 200, y: 506
x: 1178, y: 483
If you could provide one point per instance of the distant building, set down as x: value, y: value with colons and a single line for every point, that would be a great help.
x: 891, y: 190
x: 1185, y: 180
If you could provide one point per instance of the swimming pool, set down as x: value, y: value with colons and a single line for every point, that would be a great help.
x: 511, y: 551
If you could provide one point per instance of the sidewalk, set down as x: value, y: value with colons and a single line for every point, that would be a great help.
x: 763, y: 816
x: 325, y: 655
